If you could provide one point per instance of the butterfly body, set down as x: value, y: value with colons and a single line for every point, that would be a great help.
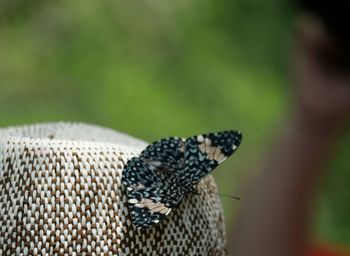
x: 168, y: 169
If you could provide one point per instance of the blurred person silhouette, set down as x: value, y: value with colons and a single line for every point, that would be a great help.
x: 275, y: 213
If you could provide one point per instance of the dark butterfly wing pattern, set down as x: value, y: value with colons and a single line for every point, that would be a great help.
x: 149, y: 206
x: 158, y: 179
x: 169, y: 152
x: 151, y: 191
x: 203, y: 153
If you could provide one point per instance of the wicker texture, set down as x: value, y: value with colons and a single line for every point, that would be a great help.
x: 61, y: 194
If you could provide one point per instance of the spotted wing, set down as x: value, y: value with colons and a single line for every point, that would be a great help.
x: 203, y: 153
x: 152, y: 191
x: 167, y: 154
x: 149, y: 206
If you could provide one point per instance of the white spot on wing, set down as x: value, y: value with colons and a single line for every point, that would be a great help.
x: 200, y: 138
x: 133, y: 201
x: 207, y: 141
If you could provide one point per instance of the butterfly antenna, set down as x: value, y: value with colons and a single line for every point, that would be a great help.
x: 229, y: 196
x: 223, y: 195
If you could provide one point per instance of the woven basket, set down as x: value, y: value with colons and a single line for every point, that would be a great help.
x: 61, y: 194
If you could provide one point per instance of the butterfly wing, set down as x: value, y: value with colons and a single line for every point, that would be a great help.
x: 149, y: 206
x: 203, y: 153
x: 167, y: 154
x: 152, y: 191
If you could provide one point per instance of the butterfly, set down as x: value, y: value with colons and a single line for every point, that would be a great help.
x: 158, y: 179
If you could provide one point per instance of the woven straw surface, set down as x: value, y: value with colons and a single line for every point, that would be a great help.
x: 61, y: 194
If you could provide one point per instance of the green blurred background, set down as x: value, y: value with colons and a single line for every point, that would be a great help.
x: 156, y: 68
